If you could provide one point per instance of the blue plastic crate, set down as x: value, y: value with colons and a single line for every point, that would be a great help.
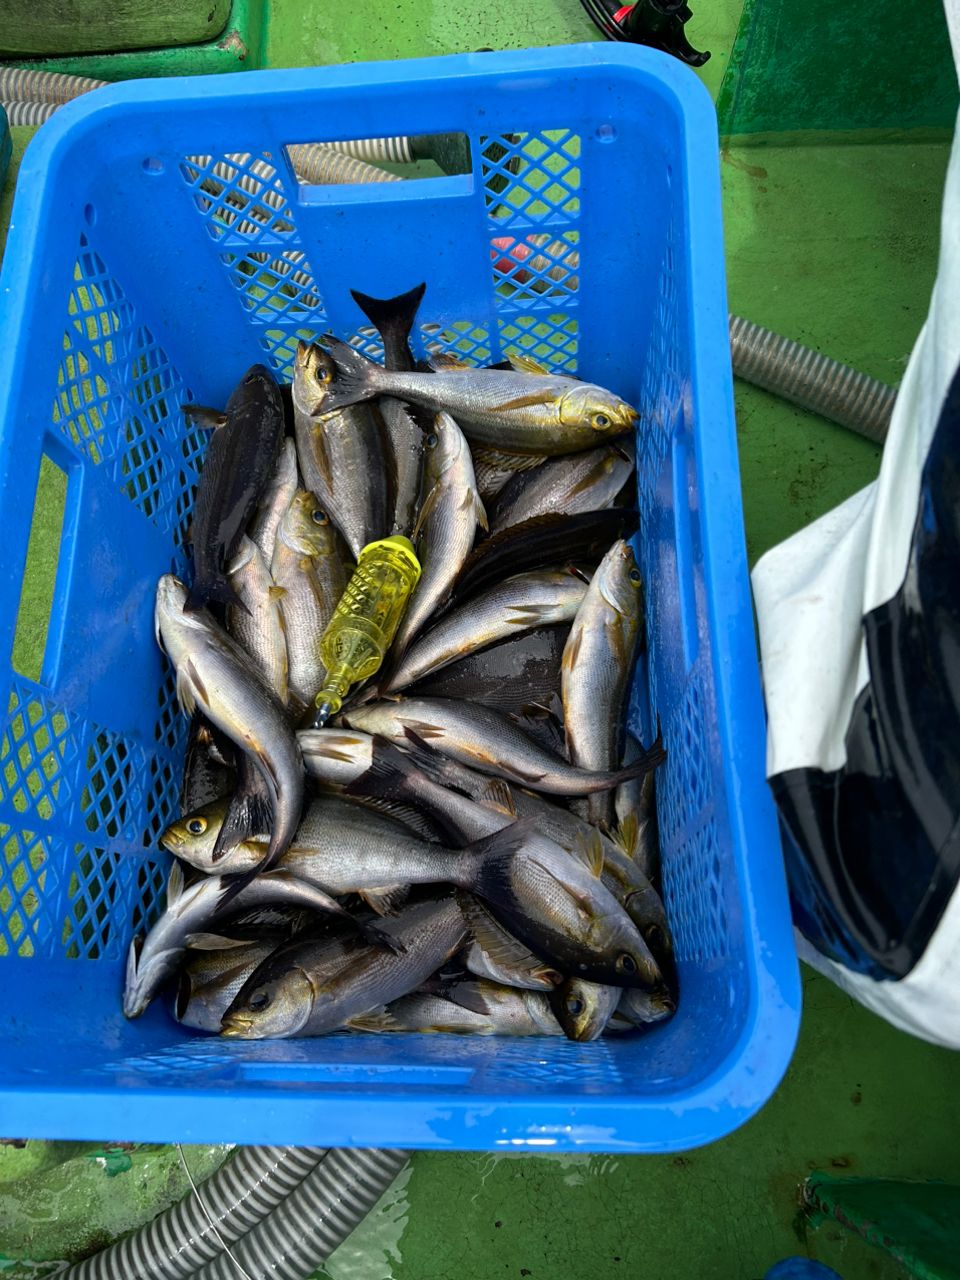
x: 130, y: 286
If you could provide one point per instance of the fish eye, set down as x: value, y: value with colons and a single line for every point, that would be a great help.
x: 431, y: 441
x: 319, y: 517
x: 601, y: 420
x: 626, y: 964
x: 259, y: 1001
x: 575, y: 1005
x: 654, y: 935
x: 324, y: 374
x: 197, y: 826
x: 634, y: 575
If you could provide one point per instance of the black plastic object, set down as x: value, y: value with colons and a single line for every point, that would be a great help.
x: 657, y: 23
x: 873, y: 849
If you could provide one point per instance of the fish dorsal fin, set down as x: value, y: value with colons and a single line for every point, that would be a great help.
x: 503, y: 949
x: 175, y: 885
x: 627, y: 834
x: 496, y: 794
x: 204, y: 416
x: 214, y: 942
x: 526, y: 364
x: 446, y: 361
x: 386, y: 901
x: 589, y: 849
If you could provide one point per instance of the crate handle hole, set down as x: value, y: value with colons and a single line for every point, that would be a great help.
x: 332, y: 162
x: 40, y: 571
x: 153, y: 165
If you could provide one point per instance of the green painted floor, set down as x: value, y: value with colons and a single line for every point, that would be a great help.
x: 834, y: 244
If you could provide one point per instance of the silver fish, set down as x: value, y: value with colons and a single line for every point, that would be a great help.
x: 279, y: 495
x: 187, y: 920
x: 341, y: 452
x: 583, y: 1009
x: 309, y: 988
x: 469, y: 805
x: 446, y: 526
x: 258, y: 624
x: 488, y: 741
x: 555, y: 904
x: 210, y: 980
x: 581, y: 482
x: 511, y: 409
x: 597, y: 663
x: 467, y: 1007
x: 643, y: 1007
x: 216, y: 676
x: 311, y: 567
x: 521, y: 603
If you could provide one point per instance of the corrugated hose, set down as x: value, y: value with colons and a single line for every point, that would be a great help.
x: 216, y: 1214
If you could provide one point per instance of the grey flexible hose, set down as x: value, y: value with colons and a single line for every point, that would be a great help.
x: 303, y: 1231
x: 31, y: 113
x: 811, y: 380
x: 237, y: 1197
x: 19, y: 84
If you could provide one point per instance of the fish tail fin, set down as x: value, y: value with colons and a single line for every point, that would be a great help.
x: 489, y: 858
x: 388, y: 776
x: 393, y: 318
x: 216, y: 589
x: 247, y: 817
x: 356, y: 379
x: 645, y: 762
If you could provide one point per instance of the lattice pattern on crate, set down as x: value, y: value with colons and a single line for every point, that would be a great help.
x: 463, y: 338
x: 118, y: 397
x: 240, y: 197
x: 552, y: 339
x: 367, y: 339
x: 191, y: 1057
x: 28, y: 880
x: 111, y: 896
x: 276, y: 287
x: 83, y: 408
x: 162, y: 795
x: 693, y: 877
x: 113, y: 798
x: 590, y: 1066
x: 662, y: 387
x: 281, y: 348
x: 695, y: 888
x: 39, y: 754
x: 244, y: 206
x: 531, y: 178
x: 536, y: 267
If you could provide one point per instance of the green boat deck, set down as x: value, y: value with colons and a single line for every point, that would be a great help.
x: 832, y: 189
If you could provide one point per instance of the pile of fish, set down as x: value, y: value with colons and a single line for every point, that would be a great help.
x: 470, y: 847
